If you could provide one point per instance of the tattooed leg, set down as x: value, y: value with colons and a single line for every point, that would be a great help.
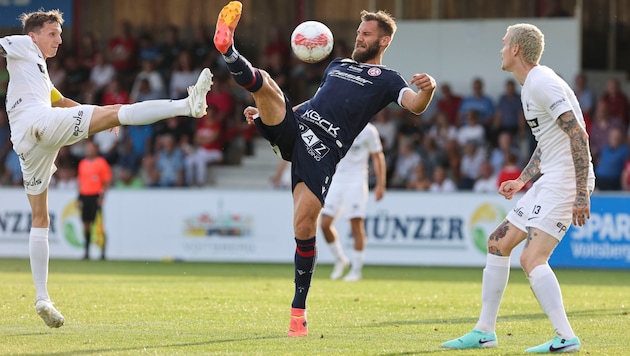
x: 504, y: 238
x: 498, y: 234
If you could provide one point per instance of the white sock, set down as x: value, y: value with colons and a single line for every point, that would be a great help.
x: 357, y: 260
x: 547, y: 290
x: 337, y: 250
x: 38, y: 252
x: 150, y: 111
x: 495, y: 279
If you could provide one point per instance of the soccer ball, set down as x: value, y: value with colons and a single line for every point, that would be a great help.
x: 311, y: 41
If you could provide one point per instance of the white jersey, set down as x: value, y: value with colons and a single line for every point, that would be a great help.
x: 28, y: 94
x: 546, y: 96
x: 354, y: 165
x: 37, y: 129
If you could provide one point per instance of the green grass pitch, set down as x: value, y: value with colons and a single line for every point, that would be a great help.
x: 153, y: 308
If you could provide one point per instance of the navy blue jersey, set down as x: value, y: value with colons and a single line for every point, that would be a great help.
x: 349, y: 96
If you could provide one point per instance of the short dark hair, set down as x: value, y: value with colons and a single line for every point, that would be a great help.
x: 34, y: 21
x: 386, y: 23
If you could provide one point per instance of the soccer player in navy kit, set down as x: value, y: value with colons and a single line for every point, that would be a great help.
x: 316, y: 134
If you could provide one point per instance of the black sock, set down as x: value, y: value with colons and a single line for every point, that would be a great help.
x: 305, y: 260
x: 103, y: 247
x: 88, y: 238
x: 242, y: 71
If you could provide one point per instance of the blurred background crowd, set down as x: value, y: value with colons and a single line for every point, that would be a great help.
x: 465, y: 141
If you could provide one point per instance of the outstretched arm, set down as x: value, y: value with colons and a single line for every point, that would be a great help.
x: 511, y: 187
x: 418, y: 102
x: 578, y: 139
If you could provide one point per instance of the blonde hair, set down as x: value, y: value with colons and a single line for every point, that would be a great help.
x: 386, y: 23
x: 34, y: 21
x: 530, y: 39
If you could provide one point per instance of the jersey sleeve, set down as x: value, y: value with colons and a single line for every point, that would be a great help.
x: 397, y: 87
x: 552, y: 98
x: 16, y: 46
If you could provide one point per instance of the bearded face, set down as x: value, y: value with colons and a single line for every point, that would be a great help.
x: 365, y: 50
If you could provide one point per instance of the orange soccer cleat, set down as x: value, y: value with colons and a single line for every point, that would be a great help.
x: 298, y: 326
x: 226, y: 23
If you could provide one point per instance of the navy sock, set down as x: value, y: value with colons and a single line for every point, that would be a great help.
x: 242, y: 71
x: 305, y: 260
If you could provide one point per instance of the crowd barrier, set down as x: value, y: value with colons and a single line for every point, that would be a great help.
x: 405, y: 228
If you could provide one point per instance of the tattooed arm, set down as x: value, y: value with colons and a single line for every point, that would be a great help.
x: 578, y: 139
x: 533, y: 167
x: 511, y: 187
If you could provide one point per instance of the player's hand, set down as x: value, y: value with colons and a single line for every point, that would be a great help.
x: 116, y: 130
x: 423, y: 81
x: 379, y: 192
x: 510, y: 187
x: 251, y: 114
x: 581, y: 209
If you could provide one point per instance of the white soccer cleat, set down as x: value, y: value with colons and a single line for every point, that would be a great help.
x: 51, y: 316
x: 353, y: 276
x: 197, y: 94
x: 339, y: 269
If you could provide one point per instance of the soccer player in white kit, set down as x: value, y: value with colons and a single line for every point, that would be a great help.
x: 542, y: 216
x: 348, y: 196
x: 42, y: 121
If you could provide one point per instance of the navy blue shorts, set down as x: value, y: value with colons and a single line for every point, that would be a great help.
x: 313, y: 157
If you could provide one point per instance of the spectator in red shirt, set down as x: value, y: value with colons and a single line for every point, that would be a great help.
x: 277, y: 44
x: 510, y: 169
x: 208, y: 149
x: 122, y: 50
x: 115, y: 94
x: 449, y: 103
x: 616, y: 101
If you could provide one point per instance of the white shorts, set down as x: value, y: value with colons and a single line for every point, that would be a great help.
x: 39, y: 145
x: 346, y: 199
x: 547, y: 205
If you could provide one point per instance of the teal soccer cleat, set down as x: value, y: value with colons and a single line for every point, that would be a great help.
x: 473, y: 340
x: 557, y: 345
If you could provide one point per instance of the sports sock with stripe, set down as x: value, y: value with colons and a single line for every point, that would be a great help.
x: 242, y: 71
x: 305, y: 260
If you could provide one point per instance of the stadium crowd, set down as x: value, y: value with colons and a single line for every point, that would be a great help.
x: 464, y: 141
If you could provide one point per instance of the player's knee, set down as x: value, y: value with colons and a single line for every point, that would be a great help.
x: 104, y: 117
x: 305, y: 228
x: 268, y: 85
x: 265, y: 75
x: 498, y: 249
x: 529, y: 261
